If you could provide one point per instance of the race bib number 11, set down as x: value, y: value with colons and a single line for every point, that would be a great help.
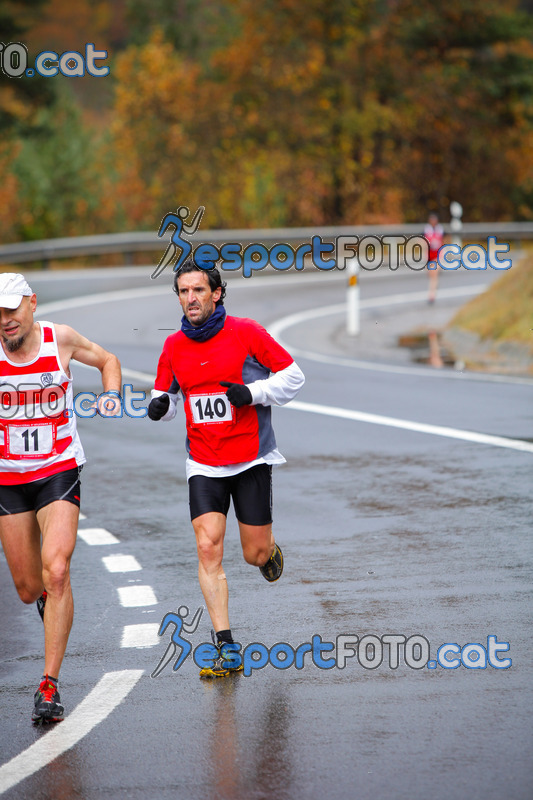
x: 210, y: 408
x: 31, y: 442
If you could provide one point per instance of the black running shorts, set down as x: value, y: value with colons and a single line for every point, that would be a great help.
x: 251, y: 491
x: 33, y: 496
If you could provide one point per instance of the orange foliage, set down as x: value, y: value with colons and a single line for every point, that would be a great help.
x: 309, y: 112
x: 8, y: 193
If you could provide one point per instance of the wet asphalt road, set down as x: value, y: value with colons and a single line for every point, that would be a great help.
x: 384, y: 531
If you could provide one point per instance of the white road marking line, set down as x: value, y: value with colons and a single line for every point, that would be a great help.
x: 110, y: 690
x: 155, y: 291
x: 103, y: 297
x: 280, y: 325
x: 144, y: 635
x: 134, y: 596
x: 419, y: 372
x: 392, y: 422
x: 135, y: 375
x: 82, y: 516
x: 453, y: 433
x: 120, y: 563
x: 97, y: 536
x: 353, y: 363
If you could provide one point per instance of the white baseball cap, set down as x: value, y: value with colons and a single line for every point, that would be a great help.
x: 13, y: 287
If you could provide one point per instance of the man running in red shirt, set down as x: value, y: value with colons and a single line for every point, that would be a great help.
x: 229, y: 371
x: 40, y: 462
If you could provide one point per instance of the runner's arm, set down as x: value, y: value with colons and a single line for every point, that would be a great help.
x: 280, y: 388
x: 78, y: 347
x: 75, y: 346
x: 286, y: 378
x: 173, y: 395
x: 166, y: 384
x: 276, y: 390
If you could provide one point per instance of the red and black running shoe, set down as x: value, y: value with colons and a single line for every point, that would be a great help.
x: 48, y: 706
x: 41, y: 602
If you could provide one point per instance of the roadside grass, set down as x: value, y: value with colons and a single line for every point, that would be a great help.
x: 504, y: 313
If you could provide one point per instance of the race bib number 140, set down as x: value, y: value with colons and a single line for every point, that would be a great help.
x: 210, y: 408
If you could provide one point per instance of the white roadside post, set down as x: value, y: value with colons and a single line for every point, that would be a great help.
x: 352, y: 298
x: 456, y: 223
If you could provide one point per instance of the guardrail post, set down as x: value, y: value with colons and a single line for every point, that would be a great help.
x: 352, y: 297
x: 456, y: 223
x: 46, y: 255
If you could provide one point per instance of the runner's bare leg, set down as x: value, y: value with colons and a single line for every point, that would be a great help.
x: 210, y: 530
x: 257, y: 543
x: 59, y: 525
x: 21, y: 542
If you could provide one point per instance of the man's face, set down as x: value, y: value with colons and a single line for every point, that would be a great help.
x: 16, y: 323
x: 196, y: 298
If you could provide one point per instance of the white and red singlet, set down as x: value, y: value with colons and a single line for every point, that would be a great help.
x: 37, y: 437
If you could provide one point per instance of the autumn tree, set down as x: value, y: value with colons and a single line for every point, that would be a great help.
x: 302, y: 80
x: 282, y: 112
x: 463, y: 95
x: 59, y: 188
x: 20, y: 97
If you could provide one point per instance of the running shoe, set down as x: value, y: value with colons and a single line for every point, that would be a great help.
x: 273, y: 568
x: 41, y: 602
x: 223, y: 664
x: 48, y: 706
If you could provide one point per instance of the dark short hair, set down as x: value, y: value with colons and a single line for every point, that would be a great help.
x: 213, y: 276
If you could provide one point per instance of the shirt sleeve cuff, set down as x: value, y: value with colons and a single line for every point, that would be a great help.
x: 173, y: 406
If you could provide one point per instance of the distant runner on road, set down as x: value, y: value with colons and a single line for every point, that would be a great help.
x: 434, y: 233
x: 229, y: 371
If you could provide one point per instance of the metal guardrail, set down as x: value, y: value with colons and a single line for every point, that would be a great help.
x: 128, y: 243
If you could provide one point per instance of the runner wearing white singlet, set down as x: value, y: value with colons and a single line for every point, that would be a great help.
x: 434, y: 233
x: 40, y: 460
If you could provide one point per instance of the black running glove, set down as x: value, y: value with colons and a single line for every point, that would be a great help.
x: 158, y: 406
x: 238, y: 394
